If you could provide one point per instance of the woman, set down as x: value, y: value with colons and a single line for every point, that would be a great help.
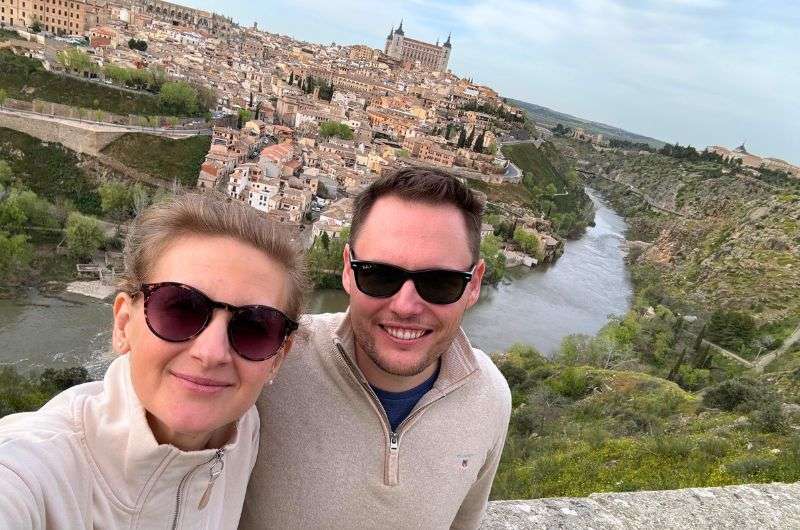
x: 210, y: 296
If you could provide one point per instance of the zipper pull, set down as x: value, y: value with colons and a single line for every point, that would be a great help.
x: 218, y: 464
x: 393, y: 441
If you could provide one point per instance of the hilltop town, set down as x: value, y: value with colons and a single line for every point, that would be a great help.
x: 297, y: 128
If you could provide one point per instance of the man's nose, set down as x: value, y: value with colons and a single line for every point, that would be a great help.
x: 406, y: 301
x: 212, y: 346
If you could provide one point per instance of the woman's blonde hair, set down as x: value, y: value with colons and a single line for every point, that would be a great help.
x: 210, y: 214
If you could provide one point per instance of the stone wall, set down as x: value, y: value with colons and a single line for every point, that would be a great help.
x: 756, y: 507
x: 78, y: 137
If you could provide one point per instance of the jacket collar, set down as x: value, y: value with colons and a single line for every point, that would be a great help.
x: 457, y: 363
x: 126, y: 454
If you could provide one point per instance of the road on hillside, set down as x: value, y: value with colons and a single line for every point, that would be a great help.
x: 788, y: 343
x: 105, y: 127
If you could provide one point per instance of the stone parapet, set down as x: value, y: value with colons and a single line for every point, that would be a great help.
x: 755, y: 506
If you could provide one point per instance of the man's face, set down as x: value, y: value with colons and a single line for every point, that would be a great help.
x: 403, y: 336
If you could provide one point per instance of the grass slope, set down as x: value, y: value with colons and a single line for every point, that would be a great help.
x: 50, y: 170
x: 25, y: 79
x: 162, y: 158
x: 550, y: 118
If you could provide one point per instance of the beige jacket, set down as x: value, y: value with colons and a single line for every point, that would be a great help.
x: 88, y: 459
x: 330, y: 460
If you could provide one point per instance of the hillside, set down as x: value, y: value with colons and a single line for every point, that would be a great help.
x: 553, y: 187
x: 734, y: 243
x: 549, y: 118
x: 161, y: 158
x: 25, y: 79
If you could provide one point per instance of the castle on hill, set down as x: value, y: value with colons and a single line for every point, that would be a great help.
x: 429, y: 56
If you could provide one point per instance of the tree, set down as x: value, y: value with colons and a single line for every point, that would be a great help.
x: 15, y: 255
x: 206, y: 98
x: 6, y: 176
x: 462, y: 138
x: 178, y: 98
x: 470, y: 139
x: 291, y: 78
x: 244, y: 116
x: 333, y: 128
x: 3, y: 97
x: 494, y: 258
x: 36, y: 26
x: 115, y: 200
x: 528, y: 241
x: 84, y: 236
x: 479, y: 143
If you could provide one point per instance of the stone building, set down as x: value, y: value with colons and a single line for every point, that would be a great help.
x: 429, y: 56
x: 179, y: 15
x: 62, y: 17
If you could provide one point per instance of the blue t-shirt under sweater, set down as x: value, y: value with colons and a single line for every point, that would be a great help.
x: 398, y: 405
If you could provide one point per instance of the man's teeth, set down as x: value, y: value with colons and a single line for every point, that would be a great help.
x: 405, y: 334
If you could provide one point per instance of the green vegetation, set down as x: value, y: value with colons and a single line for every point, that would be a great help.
x: 77, y: 60
x: 328, y: 129
x: 49, y: 170
x: 6, y: 34
x: 528, y: 242
x: 308, y: 84
x: 84, y: 236
x: 162, y: 158
x: 23, y: 393
x: 25, y: 79
x: 554, y: 186
x: 120, y: 201
x: 140, y: 45
x: 180, y: 98
x: 150, y: 79
x: 494, y: 258
x: 325, y: 260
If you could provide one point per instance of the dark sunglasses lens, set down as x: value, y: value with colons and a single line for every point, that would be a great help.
x: 257, y: 333
x: 176, y: 313
x: 380, y: 281
x: 440, y: 287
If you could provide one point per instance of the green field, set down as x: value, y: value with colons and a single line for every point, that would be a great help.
x: 25, y: 79
x: 162, y: 158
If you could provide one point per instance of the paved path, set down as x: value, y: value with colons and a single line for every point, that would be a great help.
x: 106, y: 127
x: 788, y: 343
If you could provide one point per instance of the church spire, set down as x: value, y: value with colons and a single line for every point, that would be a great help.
x: 399, y: 30
x: 447, y: 42
x: 391, y: 32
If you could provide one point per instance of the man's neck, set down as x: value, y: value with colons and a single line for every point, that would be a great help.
x: 379, y: 378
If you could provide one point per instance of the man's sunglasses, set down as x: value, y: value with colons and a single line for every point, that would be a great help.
x: 436, y: 286
x: 176, y: 312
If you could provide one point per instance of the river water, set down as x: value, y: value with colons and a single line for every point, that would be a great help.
x: 538, y: 307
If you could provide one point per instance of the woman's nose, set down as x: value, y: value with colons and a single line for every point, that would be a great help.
x: 212, y: 346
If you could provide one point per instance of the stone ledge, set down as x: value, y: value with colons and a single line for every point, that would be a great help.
x: 754, y: 506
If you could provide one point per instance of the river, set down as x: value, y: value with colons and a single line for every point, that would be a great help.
x: 538, y: 307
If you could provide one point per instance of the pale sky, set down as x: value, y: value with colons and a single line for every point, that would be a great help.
x: 701, y: 72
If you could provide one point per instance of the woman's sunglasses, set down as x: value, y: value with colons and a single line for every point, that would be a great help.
x: 436, y: 286
x: 176, y: 312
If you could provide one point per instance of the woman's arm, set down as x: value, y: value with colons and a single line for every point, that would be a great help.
x: 18, y: 506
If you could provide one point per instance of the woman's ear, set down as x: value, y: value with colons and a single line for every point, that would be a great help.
x: 123, y: 310
x: 277, y: 361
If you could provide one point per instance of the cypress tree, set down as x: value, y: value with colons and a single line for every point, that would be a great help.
x: 470, y: 139
x: 479, y: 143
x: 462, y: 138
x: 291, y: 78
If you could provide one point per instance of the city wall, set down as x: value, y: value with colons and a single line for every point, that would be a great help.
x: 78, y: 137
x: 755, y: 506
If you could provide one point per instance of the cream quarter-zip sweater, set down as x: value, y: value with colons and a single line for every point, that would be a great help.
x: 332, y: 461
x: 88, y: 460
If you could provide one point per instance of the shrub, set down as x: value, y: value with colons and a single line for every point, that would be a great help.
x: 769, y: 417
x: 84, y: 236
x: 734, y: 394
x: 572, y: 382
x: 693, y: 378
x: 714, y: 446
x: 749, y: 467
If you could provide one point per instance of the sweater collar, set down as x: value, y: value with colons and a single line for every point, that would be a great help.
x: 457, y: 363
x: 122, y: 445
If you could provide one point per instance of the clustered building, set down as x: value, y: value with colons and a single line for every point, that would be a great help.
x: 279, y: 98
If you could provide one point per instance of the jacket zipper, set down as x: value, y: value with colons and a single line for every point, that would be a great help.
x: 392, y: 461
x: 217, y: 465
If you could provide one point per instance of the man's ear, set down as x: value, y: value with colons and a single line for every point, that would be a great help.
x: 474, y: 285
x: 123, y: 311
x: 346, y: 271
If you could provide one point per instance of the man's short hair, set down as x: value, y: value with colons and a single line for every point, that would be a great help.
x: 429, y: 186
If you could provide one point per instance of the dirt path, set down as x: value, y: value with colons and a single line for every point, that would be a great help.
x: 768, y: 358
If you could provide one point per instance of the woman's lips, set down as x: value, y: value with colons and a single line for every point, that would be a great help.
x: 200, y: 384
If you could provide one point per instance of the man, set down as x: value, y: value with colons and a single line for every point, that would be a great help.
x: 385, y: 416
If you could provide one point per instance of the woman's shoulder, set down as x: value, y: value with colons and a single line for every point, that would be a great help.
x: 51, y: 434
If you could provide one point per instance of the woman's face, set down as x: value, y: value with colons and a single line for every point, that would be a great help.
x: 166, y: 374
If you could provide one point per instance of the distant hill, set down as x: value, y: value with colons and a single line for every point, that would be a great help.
x: 549, y: 118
